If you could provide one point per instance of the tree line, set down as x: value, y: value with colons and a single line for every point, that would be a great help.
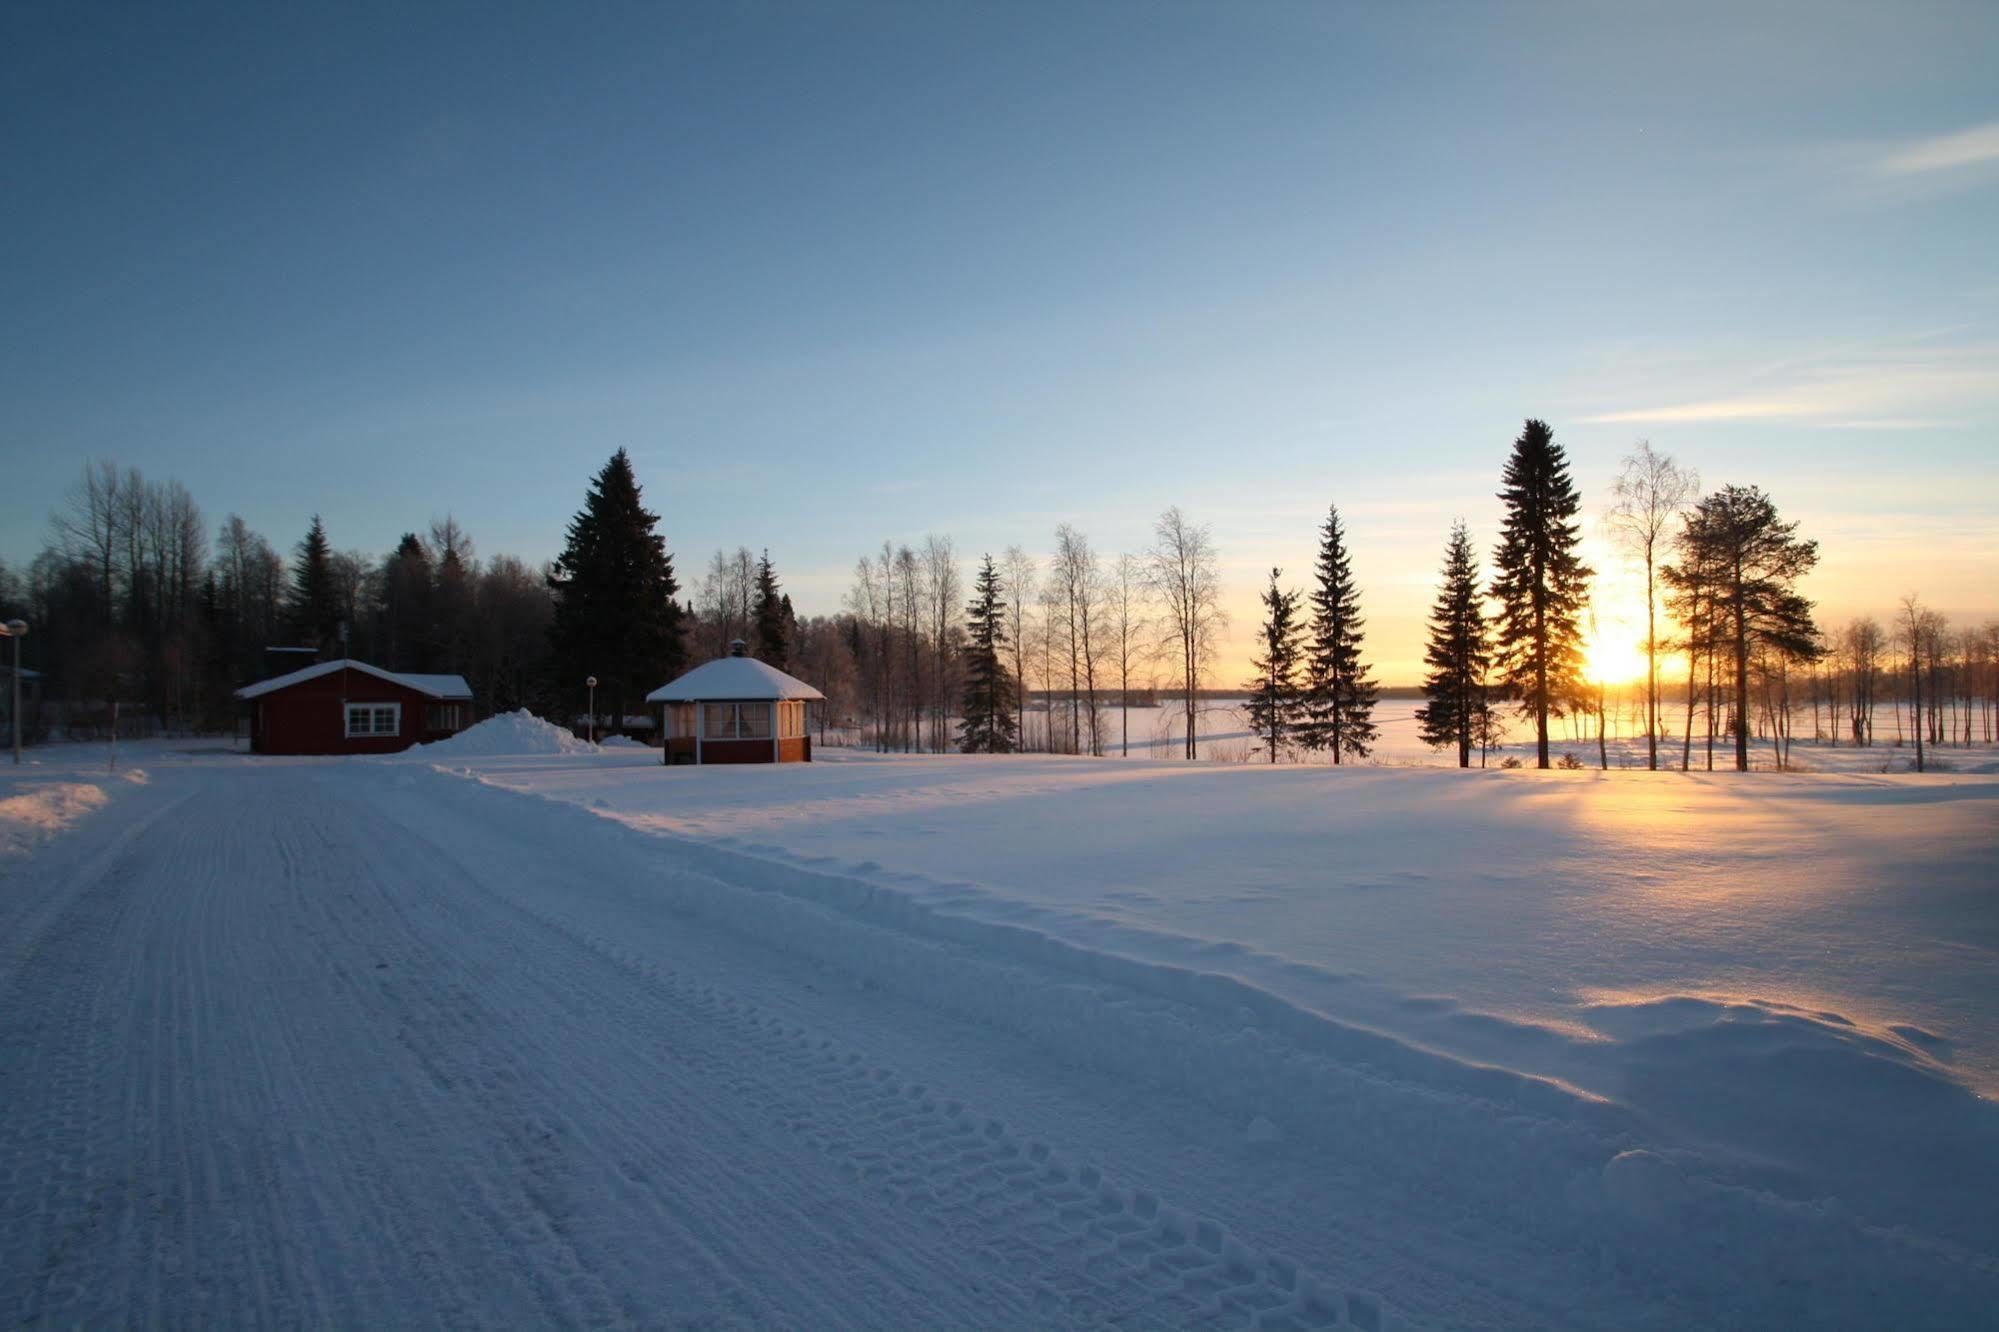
x: 134, y: 602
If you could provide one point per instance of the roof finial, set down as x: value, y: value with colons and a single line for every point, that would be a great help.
x: 738, y: 648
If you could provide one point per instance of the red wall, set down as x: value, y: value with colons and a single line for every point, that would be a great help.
x: 798, y: 750
x: 310, y: 717
x: 735, y: 751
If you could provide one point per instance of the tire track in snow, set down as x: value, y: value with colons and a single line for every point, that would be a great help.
x: 1082, y: 1250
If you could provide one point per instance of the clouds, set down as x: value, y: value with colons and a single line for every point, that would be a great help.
x: 1945, y: 152
x: 1920, y: 385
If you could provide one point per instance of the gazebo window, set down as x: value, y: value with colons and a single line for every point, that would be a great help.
x: 735, y: 721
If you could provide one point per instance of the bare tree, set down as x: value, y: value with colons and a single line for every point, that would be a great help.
x: 1182, y: 572
x: 1916, y: 626
x: 1049, y: 639
x: 86, y: 528
x: 726, y: 603
x: 1863, y: 645
x: 909, y: 626
x: 942, y: 591
x: 1017, y: 570
x: 869, y: 601
x: 1125, y: 606
x: 1075, y: 572
x: 1647, y: 496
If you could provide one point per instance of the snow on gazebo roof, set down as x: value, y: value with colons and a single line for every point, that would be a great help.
x: 437, y: 686
x: 733, y: 679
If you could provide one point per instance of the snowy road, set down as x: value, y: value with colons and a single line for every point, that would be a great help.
x: 290, y: 1043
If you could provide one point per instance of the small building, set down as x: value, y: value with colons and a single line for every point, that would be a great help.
x: 31, y: 705
x: 735, y: 709
x: 350, y: 707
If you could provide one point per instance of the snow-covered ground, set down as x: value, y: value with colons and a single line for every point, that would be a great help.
x: 572, y: 1037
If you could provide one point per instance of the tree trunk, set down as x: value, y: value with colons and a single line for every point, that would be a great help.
x: 1651, y: 667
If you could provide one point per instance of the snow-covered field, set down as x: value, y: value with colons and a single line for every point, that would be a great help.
x: 569, y: 1037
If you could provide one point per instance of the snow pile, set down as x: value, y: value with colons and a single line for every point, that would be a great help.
x: 622, y: 742
x: 518, y: 732
x: 42, y: 809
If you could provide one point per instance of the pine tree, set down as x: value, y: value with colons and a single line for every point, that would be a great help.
x: 1276, y: 701
x: 773, y: 640
x: 1542, y: 586
x: 615, y: 613
x: 406, y: 607
x: 1339, y: 693
x: 1458, y: 710
x: 314, y: 610
x: 988, y: 726
x: 1745, y: 563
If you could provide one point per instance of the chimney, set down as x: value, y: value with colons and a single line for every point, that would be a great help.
x: 738, y: 648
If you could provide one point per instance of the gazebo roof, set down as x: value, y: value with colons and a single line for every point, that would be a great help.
x: 731, y: 679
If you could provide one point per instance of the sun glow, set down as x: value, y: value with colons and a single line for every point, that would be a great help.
x: 1613, y: 657
x: 1614, y: 627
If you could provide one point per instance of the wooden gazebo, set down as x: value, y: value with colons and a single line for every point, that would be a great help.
x: 735, y: 709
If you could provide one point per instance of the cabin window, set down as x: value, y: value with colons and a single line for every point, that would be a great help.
x: 365, y: 720
x: 442, y: 717
x: 753, y: 721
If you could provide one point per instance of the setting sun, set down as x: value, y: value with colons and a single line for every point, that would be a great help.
x: 1613, y: 658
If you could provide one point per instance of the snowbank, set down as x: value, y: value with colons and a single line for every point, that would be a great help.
x: 38, y: 810
x: 622, y: 742
x: 518, y: 732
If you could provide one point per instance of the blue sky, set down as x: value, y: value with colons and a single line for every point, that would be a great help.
x: 840, y: 274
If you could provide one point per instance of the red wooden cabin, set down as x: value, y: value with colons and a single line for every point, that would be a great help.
x: 350, y: 707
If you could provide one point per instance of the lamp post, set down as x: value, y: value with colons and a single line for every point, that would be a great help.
x: 16, y: 630
x: 591, y: 683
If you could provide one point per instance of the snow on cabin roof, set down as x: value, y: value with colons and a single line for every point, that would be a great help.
x: 436, y: 686
x: 733, y: 678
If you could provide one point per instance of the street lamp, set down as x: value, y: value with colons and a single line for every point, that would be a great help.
x: 16, y: 630
x: 592, y: 683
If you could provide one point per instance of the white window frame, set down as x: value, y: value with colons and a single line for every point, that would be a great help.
x: 373, y: 712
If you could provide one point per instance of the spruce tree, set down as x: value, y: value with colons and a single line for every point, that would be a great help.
x: 1275, y: 701
x: 773, y: 638
x: 314, y: 611
x: 406, y: 607
x: 1540, y: 583
x: 1339, y: 693
x: 615, y: 613
x: 987, y: 727
x: 1457, y: 711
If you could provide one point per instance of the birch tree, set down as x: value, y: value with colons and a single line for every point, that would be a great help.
x: 1182, y: 573
x: 1647, y: 496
